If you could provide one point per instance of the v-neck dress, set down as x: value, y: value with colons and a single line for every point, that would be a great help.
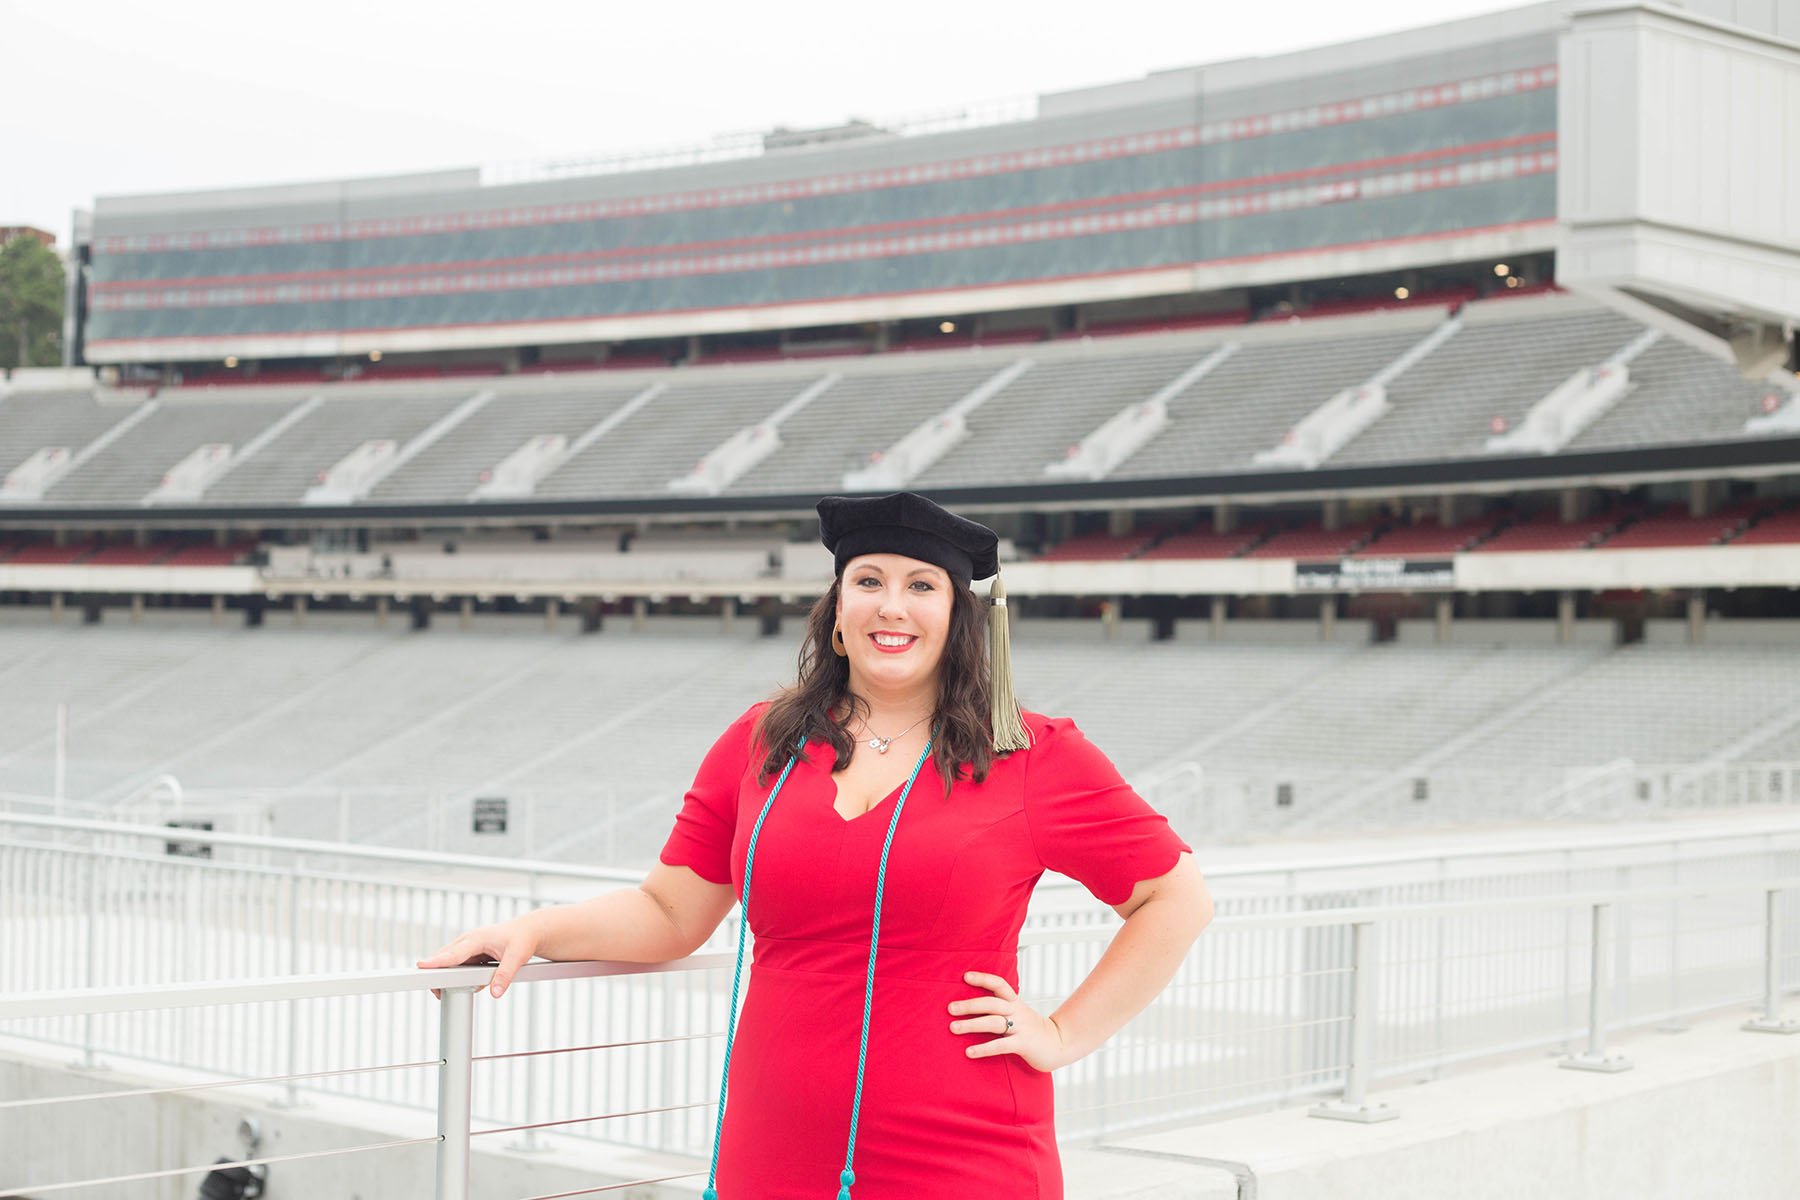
x: 934, y: 1121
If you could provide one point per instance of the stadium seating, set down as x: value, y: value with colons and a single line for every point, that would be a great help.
x: 870, y: 408
x: 285, y: 468
x: 1204, y: 543
x: 665, y: 438
x: 1778, y: 527
x: 128, y: 469
x: 1679, y: 395
x: 29, y: 422
x: 1038, y: 417
x: 209, y: 556
x: 1505, y: 358
x: 452, y: 466
x: 1315, y: 541
x: 1427, y: 539
x: 1674, y: 527
x: 1101, y: 547
x: 1254, y: 397
x: 1545, y: 531
x: 600, y: 734
x: 46, y: 554
x: 130, y: 556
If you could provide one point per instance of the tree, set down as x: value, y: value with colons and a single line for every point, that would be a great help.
x: 31, y: 304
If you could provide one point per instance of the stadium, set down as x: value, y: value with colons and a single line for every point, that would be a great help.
x: 1395, y: 447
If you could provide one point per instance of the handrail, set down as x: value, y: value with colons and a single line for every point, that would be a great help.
x: 1790, y: 824
x: 93, y: 1001
x: 523, y: 866
x: 90, y: 1001
x: 1355, y: 915
x: 161, y: 833
x: 458, y: 985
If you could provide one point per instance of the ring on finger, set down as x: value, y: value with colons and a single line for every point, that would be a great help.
x: 1009, y: 1024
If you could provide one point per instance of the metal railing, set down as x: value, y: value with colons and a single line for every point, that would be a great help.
x: 1370, y: 996
x: 1233, y: 804
x: 1561, y: 856
x: 1221, y: 806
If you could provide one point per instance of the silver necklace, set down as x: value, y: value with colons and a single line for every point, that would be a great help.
x: 880, y: 744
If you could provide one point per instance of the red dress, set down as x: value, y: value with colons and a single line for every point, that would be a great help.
x: 934, y: 1122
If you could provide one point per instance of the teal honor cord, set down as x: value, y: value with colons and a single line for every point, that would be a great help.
x: 848, y: 1175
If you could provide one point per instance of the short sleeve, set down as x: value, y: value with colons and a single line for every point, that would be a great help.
x: 1085, y: 820
x: 704, y: 827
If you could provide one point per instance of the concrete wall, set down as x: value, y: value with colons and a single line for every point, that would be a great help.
x: 102, y: 1138
x: 1674, y: 171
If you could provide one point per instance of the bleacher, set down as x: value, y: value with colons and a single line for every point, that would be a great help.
x: 1258, y: 394
x: 1101, y: 547
x: 1040, y: 415
x: 1315, y: 541
x: 1674, y: 526
x: 600, y: 733
x: 130, y: 556
x: 1546, y: 531
x: 127, y: 470
x: 50, y: 554
x: 1204, y: 543
x: 204, y: 555
x: 866, y: 411
x: 284, y: 469
x: 1428, y: 539
x: 666, y: 437
x: 453, y: 466
x: 1508, y: 356
x: 1678, y: 396
x: 30, y: 422
x: 1777, y: 527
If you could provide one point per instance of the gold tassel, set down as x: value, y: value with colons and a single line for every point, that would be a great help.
x: 1009, y: 726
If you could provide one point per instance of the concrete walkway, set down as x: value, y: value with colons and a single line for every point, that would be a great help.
x: 1708, y: 1113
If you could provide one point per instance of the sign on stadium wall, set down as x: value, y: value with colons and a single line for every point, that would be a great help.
x: 1375, y: 575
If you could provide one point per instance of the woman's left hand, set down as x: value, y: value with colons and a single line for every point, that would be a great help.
x: 1036, y: 1039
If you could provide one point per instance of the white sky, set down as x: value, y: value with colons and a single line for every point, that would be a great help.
x: 108, y: 97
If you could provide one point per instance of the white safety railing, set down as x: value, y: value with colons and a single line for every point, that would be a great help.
x: 1532, y: 862
x: 1219, y: 806
x: 1232, y: 804
x: 1268, y: 1008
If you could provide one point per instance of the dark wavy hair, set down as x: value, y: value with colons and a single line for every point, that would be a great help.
x: 819, y: 707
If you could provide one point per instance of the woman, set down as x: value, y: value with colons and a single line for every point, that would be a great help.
x: 883, y: 1044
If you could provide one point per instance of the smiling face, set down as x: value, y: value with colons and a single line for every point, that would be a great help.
x: 894, y: 613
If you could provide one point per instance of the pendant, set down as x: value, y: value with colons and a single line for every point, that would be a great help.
x: 879, y: 744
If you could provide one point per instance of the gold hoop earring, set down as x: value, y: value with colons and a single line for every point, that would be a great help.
x: 837, y: 643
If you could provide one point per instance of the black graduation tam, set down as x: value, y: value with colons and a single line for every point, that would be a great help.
x: 909, y: 524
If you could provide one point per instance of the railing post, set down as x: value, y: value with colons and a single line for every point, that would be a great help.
x: 1442, y: 971
x: 528, y: 1140
x: 90, y: 1061
x: 293, y: 965
x: 1595, y: 1058
x: 1770, y: 1021
x: 456, y: 1032
x: 1568, y: 982
x: 1353, y: 1107
x: 1673, y: 1022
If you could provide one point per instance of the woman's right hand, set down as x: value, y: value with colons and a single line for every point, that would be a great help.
x: 510, y: 944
